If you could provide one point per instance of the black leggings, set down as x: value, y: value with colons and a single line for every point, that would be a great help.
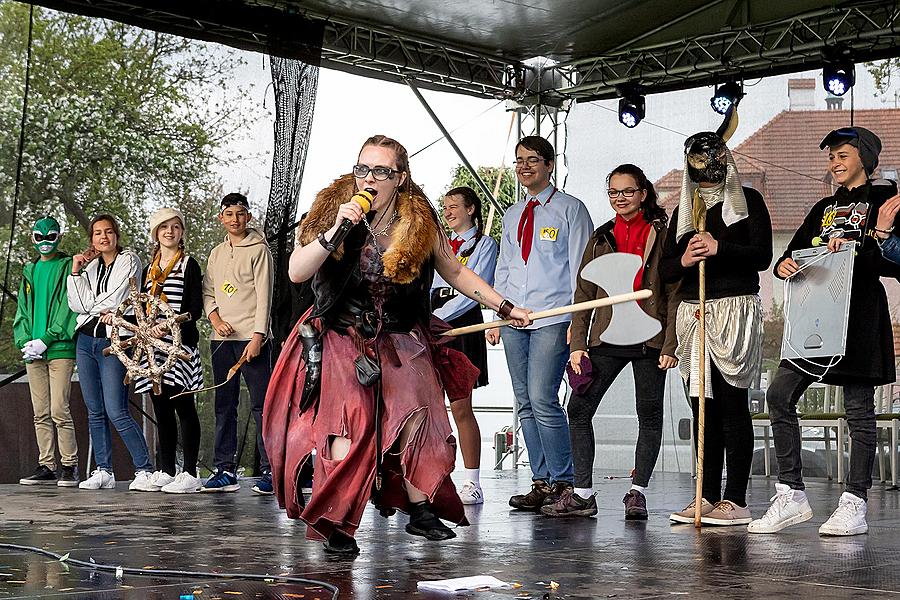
x: 728, y: 436
x: 167, y: 429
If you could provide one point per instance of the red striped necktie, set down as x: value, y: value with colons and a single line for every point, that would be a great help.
x: 456, y: 244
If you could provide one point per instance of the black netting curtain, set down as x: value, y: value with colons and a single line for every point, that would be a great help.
x: 295, y: 83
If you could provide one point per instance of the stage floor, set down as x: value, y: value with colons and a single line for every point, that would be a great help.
x: 605, y: 557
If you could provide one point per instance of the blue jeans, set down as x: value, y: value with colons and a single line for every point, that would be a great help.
x: 537, y: 359
x: 102, y: 380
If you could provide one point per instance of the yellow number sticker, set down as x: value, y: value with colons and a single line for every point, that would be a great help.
x: 228, y: 288
x: 548, y: 234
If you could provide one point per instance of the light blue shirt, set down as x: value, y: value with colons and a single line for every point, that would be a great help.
x: 562, y: 228
x: 482, y: 261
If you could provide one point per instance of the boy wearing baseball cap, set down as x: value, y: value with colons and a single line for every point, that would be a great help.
x: 849, y: 215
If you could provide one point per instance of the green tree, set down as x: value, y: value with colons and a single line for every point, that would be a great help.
x: 120, y: 120
x: 506, y: 197
x: 882, y: 71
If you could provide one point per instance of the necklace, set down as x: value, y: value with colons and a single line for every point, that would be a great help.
x: 376, y: 234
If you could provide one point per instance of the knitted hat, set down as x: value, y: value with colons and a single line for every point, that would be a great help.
x: 868, y: 144
x: 161, y: 216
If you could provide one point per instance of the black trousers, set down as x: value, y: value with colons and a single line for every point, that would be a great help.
x: 859, y: 404
x: 165, y: 408
x: 728, y: 435
x: 256, y: 375
x: 649, y: 387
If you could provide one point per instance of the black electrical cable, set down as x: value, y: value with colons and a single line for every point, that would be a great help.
x: 15, y: 206
x: 175, y: 573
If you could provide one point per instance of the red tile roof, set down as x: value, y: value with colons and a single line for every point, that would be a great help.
x: 783, y: 161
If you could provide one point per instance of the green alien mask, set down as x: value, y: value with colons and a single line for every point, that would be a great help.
x: 45, y: 235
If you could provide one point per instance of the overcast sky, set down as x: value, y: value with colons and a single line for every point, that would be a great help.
x: 351, y: 108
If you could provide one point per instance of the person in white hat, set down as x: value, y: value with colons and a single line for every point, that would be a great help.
x: 175, y: 278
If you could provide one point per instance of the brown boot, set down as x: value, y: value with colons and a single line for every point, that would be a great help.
x: 534, y: 499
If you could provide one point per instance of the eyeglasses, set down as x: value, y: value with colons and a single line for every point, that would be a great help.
x: 626, y: 193
x: 379, y: 173
x: 37, y: 238
x: 530, y: 161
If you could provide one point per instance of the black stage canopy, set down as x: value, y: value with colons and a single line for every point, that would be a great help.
x: 484, y: 47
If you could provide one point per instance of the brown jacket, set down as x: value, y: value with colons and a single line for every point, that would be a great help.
x: 661, y: 306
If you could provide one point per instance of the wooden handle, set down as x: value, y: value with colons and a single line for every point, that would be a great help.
x: 553, y: 312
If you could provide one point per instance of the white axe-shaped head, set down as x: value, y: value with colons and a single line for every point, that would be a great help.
x: 614, y: 273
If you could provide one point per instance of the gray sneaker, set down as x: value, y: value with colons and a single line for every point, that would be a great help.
x: 686, y: 515
x: 727, y: 513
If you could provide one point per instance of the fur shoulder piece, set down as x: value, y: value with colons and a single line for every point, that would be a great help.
x: 412, y: 241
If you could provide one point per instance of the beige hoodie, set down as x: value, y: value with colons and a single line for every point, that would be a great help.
x: 238, y: 282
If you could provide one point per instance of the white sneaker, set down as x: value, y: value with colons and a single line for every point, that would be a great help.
x: 849, y: 518
x: 142, y: 482
x: 99, y: 480
x: 471, y: 493
x: 160, y: 479
x: 789, y: 507
x: 184, y: 483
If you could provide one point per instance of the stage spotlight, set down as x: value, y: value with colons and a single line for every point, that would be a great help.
x: 631, y: 109
x: 726, y: 95
x: 838, y: 76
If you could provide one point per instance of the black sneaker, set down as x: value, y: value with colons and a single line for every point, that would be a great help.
x: 341, y: 544
x: 41, y: 476
x: 557, y: 489
x: 534, y: 499
x: 571, y: 504
x: 425, y: 523
x: 68, y: 477
x: 635, y: 506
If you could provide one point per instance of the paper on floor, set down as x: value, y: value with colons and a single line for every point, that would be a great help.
x: 462, y: 584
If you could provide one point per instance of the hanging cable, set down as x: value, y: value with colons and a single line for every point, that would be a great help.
x: 15, y: 206
x: 120, y: 570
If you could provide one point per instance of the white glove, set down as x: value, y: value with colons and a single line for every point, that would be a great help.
x: 35, y: 348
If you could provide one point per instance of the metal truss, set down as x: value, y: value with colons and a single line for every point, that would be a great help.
x: 390, y: 56
x: 868, y: 29
x: 281, y: 28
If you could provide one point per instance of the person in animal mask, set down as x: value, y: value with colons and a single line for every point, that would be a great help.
x: 44, y: 331
x: 727, y: 226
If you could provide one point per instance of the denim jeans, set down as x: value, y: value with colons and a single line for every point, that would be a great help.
x: 890, y: 248
x: 537, y: 360
x: 649, y: 387
x: 256, y: 375
x: 859, y: 404
x: 102, y: 380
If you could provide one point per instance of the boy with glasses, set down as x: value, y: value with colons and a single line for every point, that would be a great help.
x: 44, y: 331
x: 544, y: 237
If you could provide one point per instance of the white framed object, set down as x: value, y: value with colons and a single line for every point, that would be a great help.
x: 817, y: 303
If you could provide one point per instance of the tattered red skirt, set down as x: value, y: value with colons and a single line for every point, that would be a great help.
x: 414, y: 375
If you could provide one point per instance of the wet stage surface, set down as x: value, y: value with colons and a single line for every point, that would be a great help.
x: 603, y: 557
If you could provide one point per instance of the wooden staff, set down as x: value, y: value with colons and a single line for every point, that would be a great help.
x: 700, y: 224
x: 562, y: 310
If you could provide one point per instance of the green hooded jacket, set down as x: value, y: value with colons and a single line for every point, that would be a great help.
x: 60, y: 336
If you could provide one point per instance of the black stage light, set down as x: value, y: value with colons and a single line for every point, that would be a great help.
x: 726, y: 95
x: 631, y: 109
x: 838, y: 76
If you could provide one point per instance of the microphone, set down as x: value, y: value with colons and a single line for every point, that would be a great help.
x: 364, y: 198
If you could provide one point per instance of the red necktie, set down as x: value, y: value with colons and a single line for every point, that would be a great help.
x: 456, y: 244
x: 526, y: 228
